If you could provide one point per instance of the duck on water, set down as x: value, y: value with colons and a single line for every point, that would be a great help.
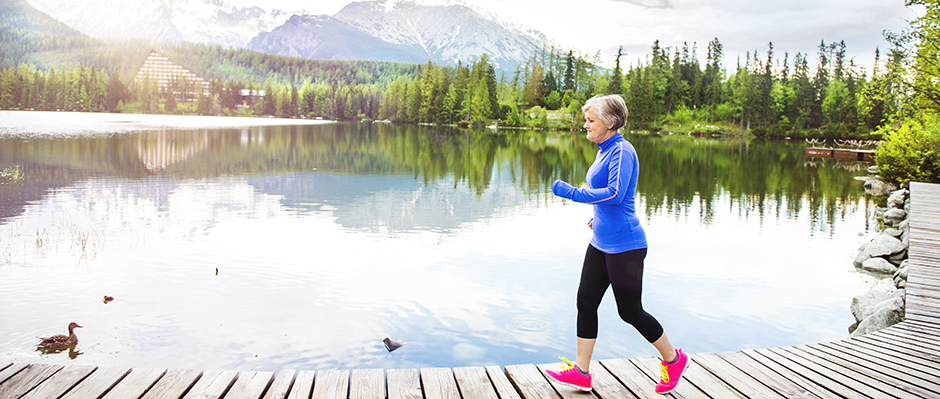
x: 60, y: 342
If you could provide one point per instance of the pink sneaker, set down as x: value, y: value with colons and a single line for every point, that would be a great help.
x: 671, y: 373
x: 570, y: 375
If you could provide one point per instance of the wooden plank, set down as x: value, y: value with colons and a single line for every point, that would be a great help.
x: 501, y: 383
x: 367, y: 384
x: 404, y: 384
x: 741, y: 382
x: 781, y: 380
x: 250, y: 385
x: 881, y: 366
x: 650, y: 367
x: 135, y: 383
x: 11, y: 370
x: 530, y: 382
x: 858, y: 378
x: 914, y: 327
x: 212, y: 384
x: 605, y: 385
x: 928, y: 302
x: 900, y: 344
x: 281, y: 385
x: 911, y: 315
x: 439, y: 383
x: 473, y: 383
x: 893, y: 353
x: 173, y: 384
x: 60, y: 382
x: 303, y: 385
x: 27, y: 379
x: 927, y: 346
x: 830, y: 381
x: 635, y: 380
x: 98, y: 383
x: 331, y: 384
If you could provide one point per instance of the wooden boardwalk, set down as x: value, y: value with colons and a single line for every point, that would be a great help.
x: 902, y: 361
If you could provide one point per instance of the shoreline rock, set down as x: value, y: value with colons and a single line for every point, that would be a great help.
x: 885, y: 255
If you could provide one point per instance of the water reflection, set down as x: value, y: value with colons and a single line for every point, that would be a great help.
x: 677, y: 172
x: 304, y: 246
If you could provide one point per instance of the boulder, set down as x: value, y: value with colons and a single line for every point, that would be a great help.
x: 897, y: 258
x: 879, y: 188
x: 865, y: 304
x: 896, y: 199
x: 900, y: 283
x: 905, y: 225
x: 873, y: 169
x: 902, y: 270
x: 879, y: 265
x: 861, y: 258
x: 884, y: 245
x: 888, y: 313
x: 893, y: 233
x: 894, y: 215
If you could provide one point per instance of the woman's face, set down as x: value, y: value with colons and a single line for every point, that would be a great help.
x: 597, y: 131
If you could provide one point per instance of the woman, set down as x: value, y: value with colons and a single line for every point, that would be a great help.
x: 615, y: 255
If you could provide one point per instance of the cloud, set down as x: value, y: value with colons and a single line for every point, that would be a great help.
x: 646, y: 3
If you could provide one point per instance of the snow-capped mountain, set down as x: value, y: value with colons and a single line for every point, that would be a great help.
x: 445, y: 33
x: 325, y: 37
x: 380, y: 30
x: 200, y: 21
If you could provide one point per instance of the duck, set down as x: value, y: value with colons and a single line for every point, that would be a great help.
x: 60, y: 341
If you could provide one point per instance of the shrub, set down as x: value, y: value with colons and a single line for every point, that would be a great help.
x: 553, y: 101
x: 910, y: 151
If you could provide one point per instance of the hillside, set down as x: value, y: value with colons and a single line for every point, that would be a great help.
x: 19, y: 14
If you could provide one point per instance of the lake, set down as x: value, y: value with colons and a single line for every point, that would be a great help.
x: 266, y: 244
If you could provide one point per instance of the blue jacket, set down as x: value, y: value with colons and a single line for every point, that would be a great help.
x: 611, y: 189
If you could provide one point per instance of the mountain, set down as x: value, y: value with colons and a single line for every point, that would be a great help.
x: 19, y: 14
x: 199, y: 21
x: 378, y: 30
x: 324, y: 37
x: 444, y: 33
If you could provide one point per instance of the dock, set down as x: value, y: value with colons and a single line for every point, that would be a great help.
x: 902, y: 361
x: 840, y: 153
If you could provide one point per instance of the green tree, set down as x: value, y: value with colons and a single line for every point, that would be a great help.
x: 568, y: 80
x: 921, y: 44
x: 270, y: 102
x: 615, y: 84
x: 169, y: 105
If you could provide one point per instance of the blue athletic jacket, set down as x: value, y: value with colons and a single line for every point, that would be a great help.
x: 611, y: 189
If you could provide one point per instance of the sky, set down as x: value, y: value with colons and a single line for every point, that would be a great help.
x: 592, y: 26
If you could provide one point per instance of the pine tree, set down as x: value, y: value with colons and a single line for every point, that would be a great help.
x: 568, y: 81
x: 615, y: 84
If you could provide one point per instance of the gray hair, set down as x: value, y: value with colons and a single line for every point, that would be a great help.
x: 611, y: 109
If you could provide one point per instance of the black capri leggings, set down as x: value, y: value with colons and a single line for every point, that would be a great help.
x: 624, y: 272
